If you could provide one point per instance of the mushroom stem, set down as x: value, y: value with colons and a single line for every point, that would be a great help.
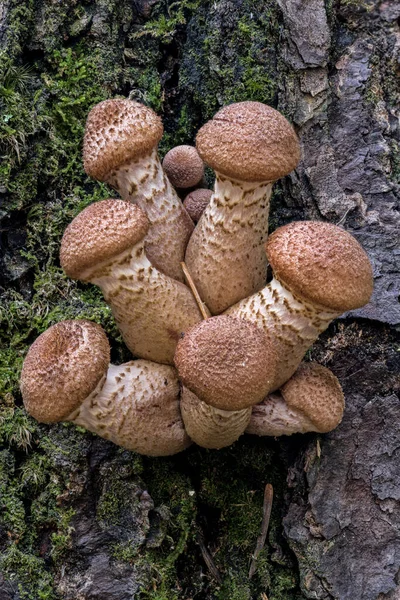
x: 205, y: 313
x: 312, y: 400
x: 136, y: 406
x: 144, y: 183
x: 273, y: 417
x: 150, y: 309
x: 211, y: 427
x: 291, y: 322
x: 225, y: 254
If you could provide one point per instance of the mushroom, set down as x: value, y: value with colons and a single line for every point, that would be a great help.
x: 228, y: 365
x: 196, y: 203
x: 320, y: 271
x: 120, y: 148
x: 183, y: 166
x: 312, y: 400
x: 66, y: 376
x: 104, y: 244
x: 249, y: 145
x: 211, y: 427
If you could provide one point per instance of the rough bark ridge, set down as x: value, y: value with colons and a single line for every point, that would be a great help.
x: 83, y: 520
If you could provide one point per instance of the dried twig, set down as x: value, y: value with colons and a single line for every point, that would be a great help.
x: 267, y: 506
x: 205, y: 313
x: 208, y: 558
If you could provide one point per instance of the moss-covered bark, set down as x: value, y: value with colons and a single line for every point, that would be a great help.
x: 79, y: 517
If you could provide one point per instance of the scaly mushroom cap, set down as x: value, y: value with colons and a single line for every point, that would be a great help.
x: 315, y: 391
x: 228, y: 363
x: 100, y: 232
x: 249, y: 141
x: 62, y: 367
x: 196, y: 202
x: 321, y: 263
x: 117, y: 132
x: 183, y: 166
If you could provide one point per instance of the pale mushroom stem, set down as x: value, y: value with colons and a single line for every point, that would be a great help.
x: 211, y: 427
x: 136, y: 406
x: 131, y: 286
x: 144, y: 183
x: 291, y: 322
x: 225, y: 254
x: 273, y: 417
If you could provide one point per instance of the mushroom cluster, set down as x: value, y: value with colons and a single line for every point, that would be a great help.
x: 222, y: 354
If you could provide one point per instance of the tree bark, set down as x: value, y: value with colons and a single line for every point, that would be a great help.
x: 82, y: 519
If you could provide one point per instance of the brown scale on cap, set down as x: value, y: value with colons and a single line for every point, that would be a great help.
x: 320, y: 272
x: 211, y: 427
x: 62, y: 368
x: 249, y: 145
x: 249, y: 141
x: 227, y: 363
x: 321, y: 263
x: 66, y: 377
x: 118, y: 131
x: 183, y: 166
x: 99, y: 233
x: 120, y: 148
x: 196, y: 202
x: 312, y: 400
x: 104, y: 244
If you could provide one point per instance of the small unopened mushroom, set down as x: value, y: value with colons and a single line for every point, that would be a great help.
x: 104, y: 244
x: 312, y: 400
x: 183, y: 166
x: 196, y: 202
x: 249, y: 145
x: 228, y: 365
x: 320, y: 271
x: 120, y: 148
x: 66, y: 376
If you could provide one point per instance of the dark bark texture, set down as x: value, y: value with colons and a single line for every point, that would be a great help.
x: 81, y: 519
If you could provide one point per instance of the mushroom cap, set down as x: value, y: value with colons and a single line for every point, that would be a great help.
x: 62, y: 367
x: 100, y: 232
x: 117, y: 132
x: 249, y: 141
x: 183, y: 166
x: 315, y: 391
x: 322, y: 263
x: 228, y: 363
x: 196, y: 202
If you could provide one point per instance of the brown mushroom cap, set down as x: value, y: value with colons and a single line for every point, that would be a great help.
x: 315, y: 391
x: 249, y: 141
x: 62, y: 367
x: 196, y: 202
x: 322, y: 263
x: 118, y: 131
x: 101, y: 231
x: 183, y: 166
x: 228, y: 363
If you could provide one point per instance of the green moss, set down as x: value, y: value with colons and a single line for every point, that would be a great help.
x: 232, y: 62
x: 34, y: 582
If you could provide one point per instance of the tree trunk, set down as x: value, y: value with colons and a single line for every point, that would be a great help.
x: 82, y: 519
